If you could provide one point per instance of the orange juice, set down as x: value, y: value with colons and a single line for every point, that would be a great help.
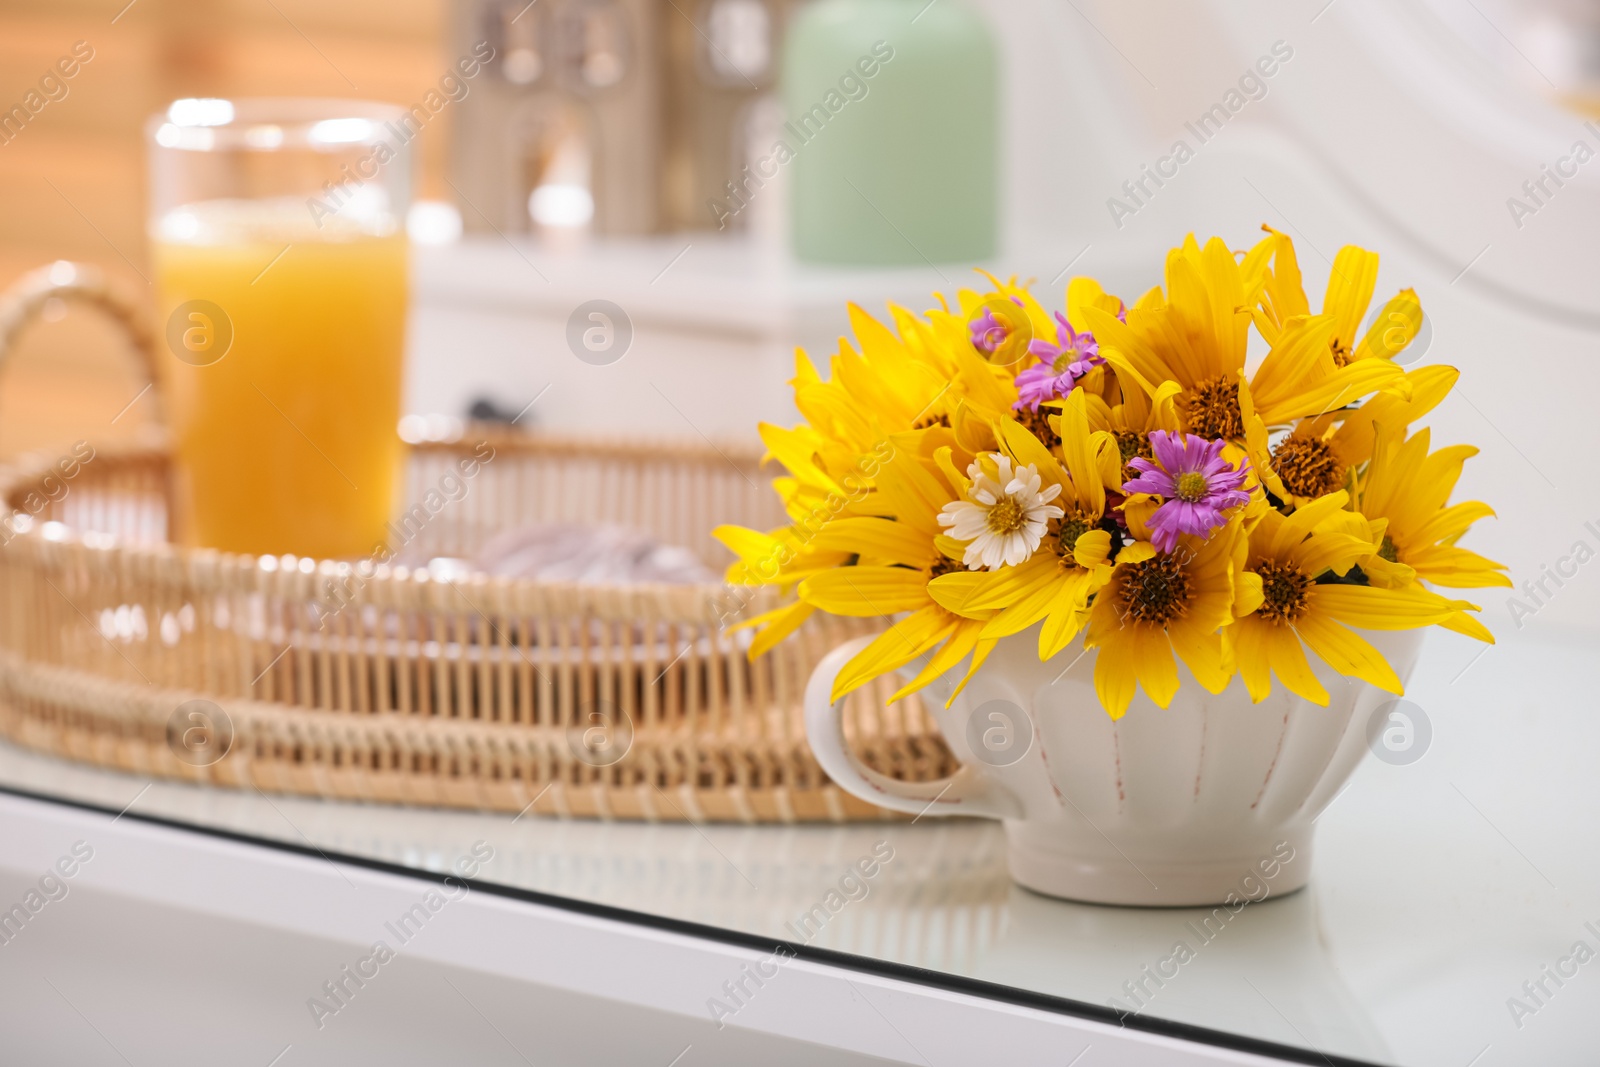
x: 287, y: 442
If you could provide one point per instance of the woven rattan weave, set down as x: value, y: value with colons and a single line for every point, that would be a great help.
x: 397, y: 684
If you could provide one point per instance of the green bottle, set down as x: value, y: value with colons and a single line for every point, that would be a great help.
x: 894, y: 132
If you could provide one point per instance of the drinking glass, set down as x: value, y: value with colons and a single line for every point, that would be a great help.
x: 278, y: 238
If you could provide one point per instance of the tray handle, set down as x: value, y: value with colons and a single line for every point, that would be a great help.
x: 82, y: 283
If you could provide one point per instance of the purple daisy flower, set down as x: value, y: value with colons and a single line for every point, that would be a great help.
x: 989, y: 333
x: 1061, y: 365
x: 1196, y: 481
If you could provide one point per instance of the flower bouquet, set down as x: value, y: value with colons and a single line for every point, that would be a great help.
x: 1131, y: 482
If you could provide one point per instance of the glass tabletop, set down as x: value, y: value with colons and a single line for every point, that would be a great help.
x: 1450, y: 920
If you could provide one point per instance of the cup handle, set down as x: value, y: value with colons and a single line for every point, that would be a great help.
x: 965, y: 793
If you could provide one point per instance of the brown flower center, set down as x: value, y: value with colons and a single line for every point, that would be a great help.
x: 1214, y: 409
x: 931, y: 420
x: 1133, y: 443
x: 1155, y: 591
x: 1387, y: 550
x: 1072, y: 527
x: 944, y: 565
x: 1307, y: 466
x: 1285, y: 591
x: 1341, y: 352
x: 1037, y: 422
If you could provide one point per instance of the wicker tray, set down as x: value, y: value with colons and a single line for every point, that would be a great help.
x: 475, y: 692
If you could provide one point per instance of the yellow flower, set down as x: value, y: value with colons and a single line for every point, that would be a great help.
x: 887, y: 387
x: 916, y: 381
x: 1323, y: 454
x: 1348, y: 296
x: 1408, y: 490
x: 898, y: 559
x: 1194, y: 335
x: 1198, y: 339
x: 1281, y: 604
x: 1074, y: 561
x: 1158, y: 604
x: 1410, y: 487
x: 895, y: 386
x: 1347, y: 518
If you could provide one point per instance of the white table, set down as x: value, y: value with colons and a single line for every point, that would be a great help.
x: 1440, y: 887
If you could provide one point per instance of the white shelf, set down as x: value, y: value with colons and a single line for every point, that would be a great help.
x: 715, y: 320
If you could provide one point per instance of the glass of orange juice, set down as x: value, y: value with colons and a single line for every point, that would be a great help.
x: 278, y: 237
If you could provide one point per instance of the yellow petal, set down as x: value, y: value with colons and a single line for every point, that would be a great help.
x: 980, y: 652
x: 1288, y: 661
x: 776, y: 625
x: 959, y: 483
x: 1136, y: 512
x: 877, y: 343
x: 1116, y: 672
x: 1295, y: 528
x: 1394, y: 328
x: 1350, y: 285
x: 1108, y: 456
x: 1329, y: 552
x: 1079, y: 456
x: 1028, y: 449
x: 1092, y: 548
x: 1456, y: 568
x: 866, y: 591
x: 1202, y: 651
x: 1137, y: 552
x: 1123, y: 348
x: 962, y: 641
x: 795, y: 449
x: 1352, y: 524
x: 1248, y: 639
x: 1345, y: 386
x: 1257, y: 444
x: 1068, y: 611
x: 1247, y: 593
x: 1298, y: 359
x: 1085, y: 292
x: 1284, y: 294
x: 1371, y: 608
x: 1028, y: 606
x: 877, y: 541
x: 1158, y: 671
x: 913, y: 492
x: 1385, y: 575
x: 745, y: 543
x: 960, y: 591
x: 1462, y: 623
x: 894, y: 648
x: 1452, y: 522
x: 1346, y: 652
x: 992, y: 590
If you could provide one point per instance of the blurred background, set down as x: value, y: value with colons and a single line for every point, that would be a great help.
x: 584, y: 161
x: 74, y: 180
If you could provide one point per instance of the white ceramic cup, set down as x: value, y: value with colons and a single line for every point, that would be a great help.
x: 1163, y: 807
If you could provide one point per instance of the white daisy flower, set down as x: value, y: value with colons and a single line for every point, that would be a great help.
x: 1003, y: 518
